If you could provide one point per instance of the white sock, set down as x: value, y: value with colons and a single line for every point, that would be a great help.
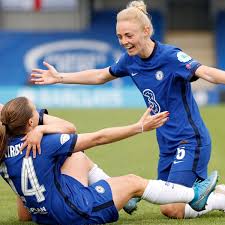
x: 216, y: 201
x: 96, y: 174
x: 162, y: 192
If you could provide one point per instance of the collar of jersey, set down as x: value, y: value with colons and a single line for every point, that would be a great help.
x: 153, y: 52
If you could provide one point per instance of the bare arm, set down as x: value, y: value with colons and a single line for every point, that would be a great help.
x: 109, y: 135
x: 211, y: 74
x: 23, y: 213
x: 50, y: 125
x: 52, y: 76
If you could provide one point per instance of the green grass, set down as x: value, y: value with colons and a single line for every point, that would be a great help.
x: 137, y: 155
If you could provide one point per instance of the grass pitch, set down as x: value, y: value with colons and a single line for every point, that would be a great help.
x: 137, y: 155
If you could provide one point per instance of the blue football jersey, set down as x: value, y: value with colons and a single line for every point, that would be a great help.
x: 34, y: 180
x: 164, y: 82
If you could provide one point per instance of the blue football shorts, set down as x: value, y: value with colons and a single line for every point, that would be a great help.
x: 187, y: 164
x: 84, y: 205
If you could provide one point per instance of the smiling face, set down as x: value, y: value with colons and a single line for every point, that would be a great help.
x: 133, y: 37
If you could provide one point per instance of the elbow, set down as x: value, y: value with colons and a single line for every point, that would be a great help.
x: 101, y: 80
x: 71, y: 128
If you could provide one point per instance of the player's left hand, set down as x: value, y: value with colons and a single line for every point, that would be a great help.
x: 150, y: 122
x: 32, y: 141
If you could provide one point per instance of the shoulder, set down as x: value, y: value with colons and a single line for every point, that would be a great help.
x: 124, y: 59
x: 175, y: 54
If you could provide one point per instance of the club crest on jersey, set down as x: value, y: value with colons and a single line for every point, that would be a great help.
x: 183, y: 57
x: 64, y: 138
x: 100, y: 189
x: 159, y: 75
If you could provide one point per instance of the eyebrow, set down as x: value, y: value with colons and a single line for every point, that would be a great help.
x: 124, y: 34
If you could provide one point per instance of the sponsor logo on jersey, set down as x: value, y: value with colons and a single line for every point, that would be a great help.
x: 183, y: 57
x: 64, y: 138
x: 150, y: 95
x: 159, y: 75
x: 100, y: 189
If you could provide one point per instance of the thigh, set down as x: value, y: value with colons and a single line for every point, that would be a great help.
x: 190, y: 163
x: 79, y: 204
x: 77, y: 166
x: 164, y: 166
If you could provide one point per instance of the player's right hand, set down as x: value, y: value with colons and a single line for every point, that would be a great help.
x: 41, y: 77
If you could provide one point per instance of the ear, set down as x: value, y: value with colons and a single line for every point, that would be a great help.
x: 31, y: 122
x: 147, y: 31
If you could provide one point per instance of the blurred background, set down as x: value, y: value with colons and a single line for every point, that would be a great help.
x: 74, y: 35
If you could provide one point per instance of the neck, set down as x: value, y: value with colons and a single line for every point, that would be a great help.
x: 147, y: 49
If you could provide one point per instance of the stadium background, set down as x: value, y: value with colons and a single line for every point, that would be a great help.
x: 80, y: 34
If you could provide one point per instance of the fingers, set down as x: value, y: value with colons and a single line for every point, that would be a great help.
x: 34, y: 150
x: 36, y: 70
x: 24, y: 138
x: 50, y: 67
x: 161, y: 117
x: 155, y: 121
x: 37, y: 80
x: 39, y: 149
x: 28, y: 151
x: 24, y: 145
x: 147, y: 112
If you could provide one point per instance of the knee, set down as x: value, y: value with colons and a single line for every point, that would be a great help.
x: 172, y: 211
x: 135, y: 181
x: 132, y: 178
x: 79, y: 156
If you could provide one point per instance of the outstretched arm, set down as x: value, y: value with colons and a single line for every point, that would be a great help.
x: 52, y: 76
x: 109, y: 135
x: 211, y: 74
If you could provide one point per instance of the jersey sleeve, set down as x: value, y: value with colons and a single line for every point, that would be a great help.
x: 59, y: 144
x: 183, y: 65
x: 41, y: 113
x: 118, y: 69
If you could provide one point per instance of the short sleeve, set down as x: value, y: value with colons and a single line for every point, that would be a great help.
x: 118, y: 69
x: 183, y: 65
x: 59, y: 144
x: 41, y: 115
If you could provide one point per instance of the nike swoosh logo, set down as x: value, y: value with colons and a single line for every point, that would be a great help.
x: 133, y: 74
x: 175, y: 162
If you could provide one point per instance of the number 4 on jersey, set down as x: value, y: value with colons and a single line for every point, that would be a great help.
x: 28, y: 176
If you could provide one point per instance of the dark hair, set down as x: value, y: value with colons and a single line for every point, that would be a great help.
x: 14, y: 117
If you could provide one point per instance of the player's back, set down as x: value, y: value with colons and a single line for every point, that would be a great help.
x: 34, y: 179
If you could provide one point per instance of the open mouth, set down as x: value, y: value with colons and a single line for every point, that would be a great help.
x: 130, y: 47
